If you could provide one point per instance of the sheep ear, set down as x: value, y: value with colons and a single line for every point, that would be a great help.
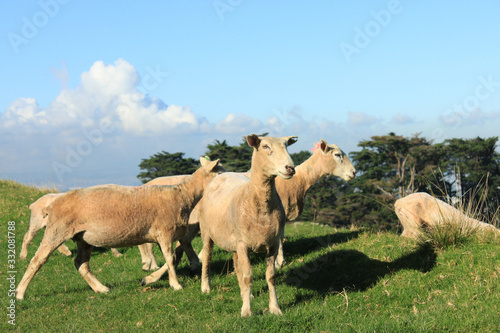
x: 290, y: 140
x: 211, y: 166
x: 253, y: 141
x: 323, y: 146
x: 204, y: 160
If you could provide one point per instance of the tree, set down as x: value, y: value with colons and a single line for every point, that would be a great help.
x: 469, y: 163
x: 233, y: 158
x: 166, y: 164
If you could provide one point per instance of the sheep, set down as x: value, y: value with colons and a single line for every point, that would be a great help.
x: 242, y: 214
x: 147, y: 256
x: 38, y: 221
x: 120, y: 216
x: 420, y: 210
x: 325, y: 160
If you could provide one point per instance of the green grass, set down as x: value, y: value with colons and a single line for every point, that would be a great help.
x: 345, y: 280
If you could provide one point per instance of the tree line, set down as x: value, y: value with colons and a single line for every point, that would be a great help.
x: 388, y: 167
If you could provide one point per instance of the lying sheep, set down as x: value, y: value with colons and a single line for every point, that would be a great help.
x: 242, y: 214
x: 419, y: 211
x: 38, y: 221
x: 121, y: 216
x: 325, y: 160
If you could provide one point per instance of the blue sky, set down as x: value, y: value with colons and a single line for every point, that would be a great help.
x: 92, y: 87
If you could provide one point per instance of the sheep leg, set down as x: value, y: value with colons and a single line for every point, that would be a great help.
x: 148, y: 258
x: 208, y: 245
x: 274, y: 308
x: 64, y: 250
x: 41, y: 256
x: 280, y: 259
x: 116, y: 253
x: 191, y: 254
x: 82, y: 266
x: 184, y: 245
x: 28, y: 237
x: 166, y: 248
x: 245, y: 280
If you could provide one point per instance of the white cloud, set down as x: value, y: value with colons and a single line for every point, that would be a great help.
x: 402, y: 119
x: 360, y: 118
x: 235, y: 124
x: 106, y: 120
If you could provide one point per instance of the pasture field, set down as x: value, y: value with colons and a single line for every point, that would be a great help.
x: 335, y: 280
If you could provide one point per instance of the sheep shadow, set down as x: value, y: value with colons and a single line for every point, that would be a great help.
x: 352, y: 270
x: 296, y: 247
x: 304, y: 245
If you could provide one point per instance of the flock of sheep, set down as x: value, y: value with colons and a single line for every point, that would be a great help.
x: 240, y: 212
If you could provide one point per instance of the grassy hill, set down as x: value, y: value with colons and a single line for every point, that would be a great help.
x: 338, y: 280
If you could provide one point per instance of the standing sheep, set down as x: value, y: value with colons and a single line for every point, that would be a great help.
x: 325, y: 160
x: 38, y: 221
x: 121, y: 216
x: 242, y: 214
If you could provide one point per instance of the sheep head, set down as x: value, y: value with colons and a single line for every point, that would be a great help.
x: 271, y: 156
x: 335, y: 161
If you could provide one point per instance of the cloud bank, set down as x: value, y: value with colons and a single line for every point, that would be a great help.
x: 99, y: 131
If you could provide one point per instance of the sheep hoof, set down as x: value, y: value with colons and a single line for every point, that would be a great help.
x: 246, y: 312
x: 143, y: 282
x: 276, y: 311
x: 279, y: 265
x: 177, y: 287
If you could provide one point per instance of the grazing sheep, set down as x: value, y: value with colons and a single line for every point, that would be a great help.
x: 325, y: 160
x: 418, y: 211
x: 121, y: 216
x: 38, y: 221
x: 242, y: 214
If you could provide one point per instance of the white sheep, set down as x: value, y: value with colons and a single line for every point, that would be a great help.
x: 146, y: 250
x: 325, y: 160
x: 242, y: 214
x: 419, y: 211
x: 121, y: 216
x: 38, y: 221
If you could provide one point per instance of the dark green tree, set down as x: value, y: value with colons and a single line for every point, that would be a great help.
x: 471, y: 163
x: 233, y: 158
x: 166, y: 164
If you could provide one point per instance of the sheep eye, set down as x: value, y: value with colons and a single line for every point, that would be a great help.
x: 339, y: 155
x: 265, y: 147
